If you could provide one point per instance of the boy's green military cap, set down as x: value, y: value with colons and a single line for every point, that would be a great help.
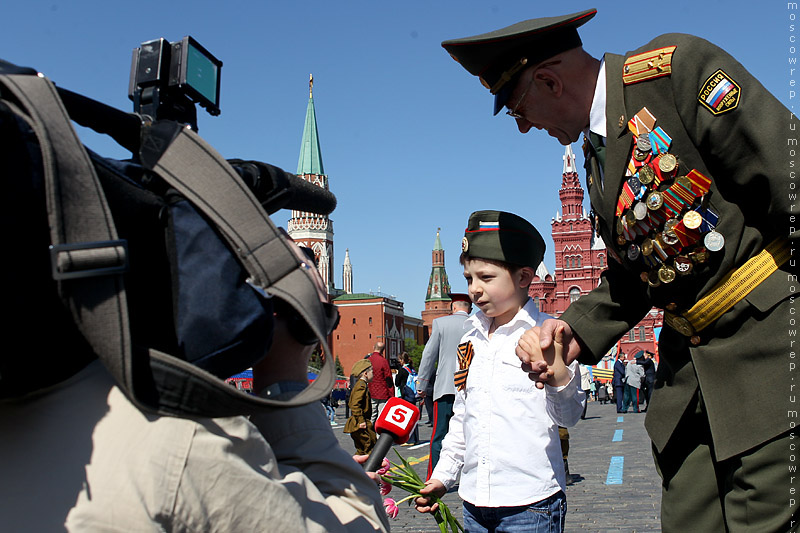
x: 502, y: 236
x: 498, y: 57
x: 360, y: 366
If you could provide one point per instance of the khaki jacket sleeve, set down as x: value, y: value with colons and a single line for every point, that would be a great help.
x: 334, y: 492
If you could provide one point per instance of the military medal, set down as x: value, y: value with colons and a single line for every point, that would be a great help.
x: 647, y: 246
x: 683, y: 265
x: 667, y: 163
x: 714, y: 241
x: 699, y: 256
x: 633, y: 252
x: 668, y: 235
x: 643, y: 143
x: 646, y: 175
x: 669, y: 238
x: 666, y: 274
x: 639, y: 211
x: 652, y: 278
x: 692, y: 219
x: 654, y: 201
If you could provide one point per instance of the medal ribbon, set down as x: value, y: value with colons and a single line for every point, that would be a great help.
x: 685, y: 235
x: 625, y: 198
x: 700, y: 183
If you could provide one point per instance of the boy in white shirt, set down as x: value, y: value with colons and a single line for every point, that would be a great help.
x: 503, y: 437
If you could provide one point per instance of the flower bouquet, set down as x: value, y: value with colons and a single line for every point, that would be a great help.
x: 404, y: 477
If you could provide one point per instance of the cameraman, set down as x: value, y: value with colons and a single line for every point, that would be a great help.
x: 80, y: 455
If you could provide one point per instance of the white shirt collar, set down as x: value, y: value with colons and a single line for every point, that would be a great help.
x: 597, y: 114
x: 528, y: 315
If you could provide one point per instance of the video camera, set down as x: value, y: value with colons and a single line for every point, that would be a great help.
x: 165, y: 266
x: 167, y: 79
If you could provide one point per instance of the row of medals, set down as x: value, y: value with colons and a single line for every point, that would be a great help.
x: 649, y: 198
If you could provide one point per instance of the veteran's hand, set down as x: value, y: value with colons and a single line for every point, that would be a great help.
x: 536, y: 349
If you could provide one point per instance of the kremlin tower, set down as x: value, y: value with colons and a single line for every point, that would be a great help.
x: 313, y: 230
x: 437, y: 300
x: 581, y: 257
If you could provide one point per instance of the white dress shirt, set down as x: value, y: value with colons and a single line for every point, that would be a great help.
x: 503, y: 437
x: 597, y: 113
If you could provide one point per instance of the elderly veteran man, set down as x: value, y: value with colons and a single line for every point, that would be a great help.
x: 689, y: 185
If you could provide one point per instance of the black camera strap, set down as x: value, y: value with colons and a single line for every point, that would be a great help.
x: 89, y: 260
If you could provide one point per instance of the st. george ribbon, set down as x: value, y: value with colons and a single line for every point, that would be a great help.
x: 395, y: 424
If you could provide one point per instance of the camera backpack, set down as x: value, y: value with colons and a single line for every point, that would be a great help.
x: 165, y: 269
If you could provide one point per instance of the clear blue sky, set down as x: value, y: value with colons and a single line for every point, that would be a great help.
x: 407, y: 136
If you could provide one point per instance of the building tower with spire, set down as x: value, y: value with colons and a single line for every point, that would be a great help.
x: 580, y: 254
x: 581, y: 257
x: 313, y: 230
x: 437, y: 300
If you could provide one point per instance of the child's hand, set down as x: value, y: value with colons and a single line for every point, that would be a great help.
x: 424, y: 504
x: 557, y: 369
x: 542, y: 352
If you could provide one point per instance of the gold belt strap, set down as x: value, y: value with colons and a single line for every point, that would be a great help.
x: 731, y: 289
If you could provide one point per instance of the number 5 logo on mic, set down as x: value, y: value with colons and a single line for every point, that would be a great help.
x: 398, y: 417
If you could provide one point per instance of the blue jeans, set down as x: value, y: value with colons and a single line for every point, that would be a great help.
x: 545, y: 516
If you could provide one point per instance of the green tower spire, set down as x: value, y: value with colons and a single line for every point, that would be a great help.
x: 310, y: 161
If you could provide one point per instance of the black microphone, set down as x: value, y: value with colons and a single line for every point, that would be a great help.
x: 395, y: 424
x: 275, y: 188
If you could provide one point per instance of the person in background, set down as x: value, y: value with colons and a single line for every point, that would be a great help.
x: 618, y: 381
x: 634, y: 376
x: 437, y: 366
x: 586, y: 387
x: 406, y: 383
x: 381, y: 388
x: 649, y: 367
x: 359, y: 425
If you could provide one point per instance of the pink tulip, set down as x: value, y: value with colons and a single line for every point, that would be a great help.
x: 384, y: 468
x: 391, y: 507
x: 385, y: 488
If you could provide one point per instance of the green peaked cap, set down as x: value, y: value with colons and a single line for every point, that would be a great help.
x: 502, y: 236
x: 499, y: 56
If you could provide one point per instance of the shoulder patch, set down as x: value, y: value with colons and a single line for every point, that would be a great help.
x: 649, y: 65
x: 720, y: 93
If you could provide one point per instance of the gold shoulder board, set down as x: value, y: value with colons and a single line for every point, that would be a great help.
x: 649, y: 65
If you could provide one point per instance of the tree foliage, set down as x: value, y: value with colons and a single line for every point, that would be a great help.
x: 414, y: 351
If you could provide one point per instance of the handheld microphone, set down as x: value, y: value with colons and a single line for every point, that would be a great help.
x: 395, y: 424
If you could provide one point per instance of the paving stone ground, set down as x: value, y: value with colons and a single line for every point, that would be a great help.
x: 593, y: 505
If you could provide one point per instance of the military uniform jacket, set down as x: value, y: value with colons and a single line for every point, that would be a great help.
x: 360, y: 407
x: 747, y: 152
x: 442, y: 347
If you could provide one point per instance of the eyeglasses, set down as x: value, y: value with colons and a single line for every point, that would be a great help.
x: 513, y: 111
